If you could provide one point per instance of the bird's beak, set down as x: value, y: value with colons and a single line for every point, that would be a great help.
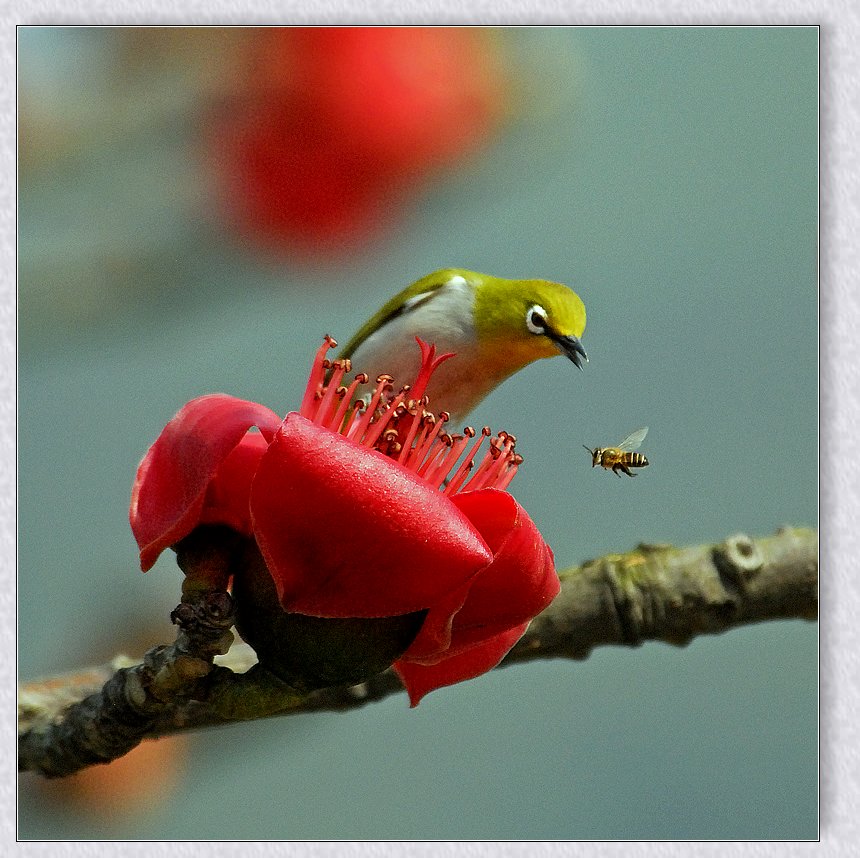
x: 571, y: 347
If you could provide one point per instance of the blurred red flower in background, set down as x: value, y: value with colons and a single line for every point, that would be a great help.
x: 359, y: 511
x: 331, y: 128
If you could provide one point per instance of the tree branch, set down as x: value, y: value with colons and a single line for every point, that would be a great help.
x: 655, y: 592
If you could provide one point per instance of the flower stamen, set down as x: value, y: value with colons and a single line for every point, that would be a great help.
x: 316, y: 379
x: 436, y: 475
x: 456, y: 482
x: 432, y: 429
x: 348, y: 397
x: 383, y: 419
x: 417, y: 419
x: 439, y: 449
x: 399, y: 426
x: 332, y: 390
x: 383, y: 384
x: 506, y: 478
x: 494, y: 463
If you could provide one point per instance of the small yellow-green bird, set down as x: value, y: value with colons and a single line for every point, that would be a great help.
x: 494, y: 326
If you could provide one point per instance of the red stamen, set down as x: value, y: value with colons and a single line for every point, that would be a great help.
x: 440, y: 449
x: 498, y: 456
x: 414, y: 425
x: 358, y: 408
x: 376, y: 428
x: 422, y: 447
x: 332, y: 389
x: 436, y: 475
x: 317, y: 377
x: 401, y: 428
x: 498, y: 469
x: 360, y: 426
x: 506, y: 478
x: 462, y: 472
x: 485, y: 464
x: 348, y: 397
x: 426, y: 424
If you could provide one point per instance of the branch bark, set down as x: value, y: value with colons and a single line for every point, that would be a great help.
x: 655, y: 592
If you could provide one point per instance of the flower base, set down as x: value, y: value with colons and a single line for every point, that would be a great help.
x: 314, y: 652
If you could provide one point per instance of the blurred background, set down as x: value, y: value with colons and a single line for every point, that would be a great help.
x: 198, y: 206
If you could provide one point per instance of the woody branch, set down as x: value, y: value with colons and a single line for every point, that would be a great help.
x: 655, y: 592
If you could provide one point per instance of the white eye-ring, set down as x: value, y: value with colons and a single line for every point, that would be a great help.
x: 536, y: 319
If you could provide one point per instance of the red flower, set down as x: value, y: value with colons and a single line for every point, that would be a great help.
x: 333, y: 127
x: 351, y: 511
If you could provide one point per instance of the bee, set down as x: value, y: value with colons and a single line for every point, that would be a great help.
x: 622, y: 457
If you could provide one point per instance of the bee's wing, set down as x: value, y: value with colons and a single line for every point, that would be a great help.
x: 633, y: 440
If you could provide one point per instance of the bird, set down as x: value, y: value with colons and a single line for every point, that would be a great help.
x: 494, y: 327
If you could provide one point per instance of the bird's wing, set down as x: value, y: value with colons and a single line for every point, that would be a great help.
x: 403, y: 302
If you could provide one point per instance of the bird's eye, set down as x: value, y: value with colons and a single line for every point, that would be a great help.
x: 536, y: 319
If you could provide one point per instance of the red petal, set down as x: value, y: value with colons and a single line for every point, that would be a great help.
x: 168, y: 494
x: 434, y: 639
x: 228, y: 495
x: 347, y: 532
x: 420, y: 679
x: 519, y: 583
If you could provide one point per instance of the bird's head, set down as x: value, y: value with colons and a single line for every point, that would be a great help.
x: 528, y: 319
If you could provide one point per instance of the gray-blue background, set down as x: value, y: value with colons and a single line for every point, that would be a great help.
x: 670, y: 177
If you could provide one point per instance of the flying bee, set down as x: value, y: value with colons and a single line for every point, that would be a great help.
x: 622, y: 457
